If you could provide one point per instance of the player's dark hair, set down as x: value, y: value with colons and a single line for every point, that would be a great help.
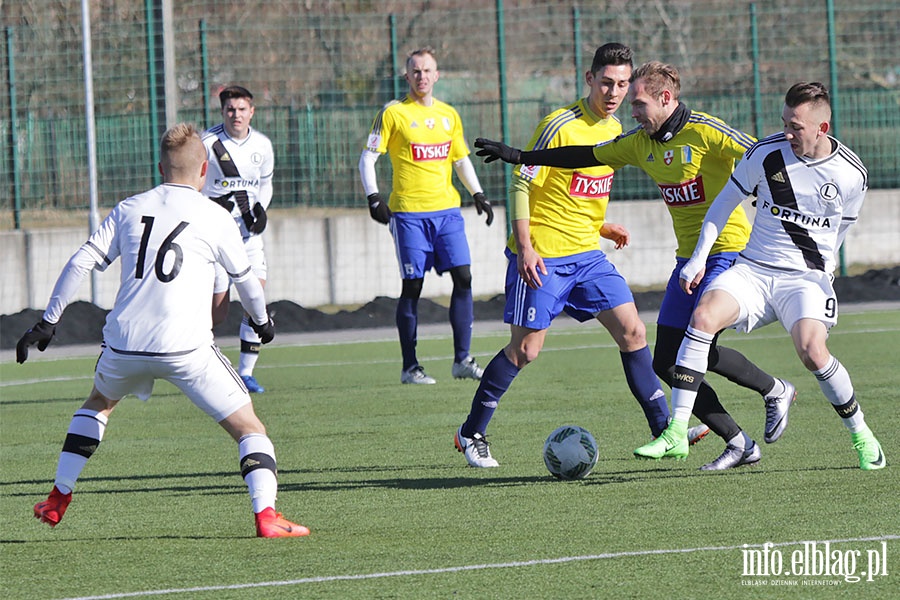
x: 657, y: 77
x: 613, y: 53
x: 803, y: 92
x: 234, y: 91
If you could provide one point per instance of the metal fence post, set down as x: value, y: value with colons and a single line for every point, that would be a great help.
x: 576, y: 43
x: 835, y: 101
x: 757, y: 94
x: 13, y: 128
x: 395, y: 81
x: 504, y: 109
x: 204, y: 75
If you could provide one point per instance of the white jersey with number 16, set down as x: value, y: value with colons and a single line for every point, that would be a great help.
x: 168, y: 239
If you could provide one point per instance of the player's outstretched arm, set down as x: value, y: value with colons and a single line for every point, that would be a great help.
x: 565, y: 157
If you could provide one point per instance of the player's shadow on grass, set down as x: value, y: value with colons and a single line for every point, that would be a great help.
x: 299, y: 480
x: 493, y: 478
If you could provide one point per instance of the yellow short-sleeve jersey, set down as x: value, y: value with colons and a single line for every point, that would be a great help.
x: 567, y: 207
x: 423, y: 142
x: 690, y: 171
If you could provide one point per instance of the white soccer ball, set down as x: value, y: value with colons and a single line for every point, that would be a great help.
x: 570, y: 452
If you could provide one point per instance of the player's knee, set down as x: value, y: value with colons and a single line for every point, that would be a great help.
x: 99, y: 403
x: 411, y: 289
x: 668, y: 340
x: 633, y: 338
x: 523, y: 354
x: 814, y: 356
x: 462, y: 277
x: 703, y: 320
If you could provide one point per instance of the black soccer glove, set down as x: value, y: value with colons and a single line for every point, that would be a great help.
x: 259, y: 219
x: 41, y: 334
x: 266, y: 332
x: 492, y: 151
x: 483, y: 206
x: 378, y: 208
x: 224, y: 201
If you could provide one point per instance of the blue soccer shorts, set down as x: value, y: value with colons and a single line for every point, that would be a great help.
x: 430, y: 240
x: 677, y: 306
x: 581, y: 285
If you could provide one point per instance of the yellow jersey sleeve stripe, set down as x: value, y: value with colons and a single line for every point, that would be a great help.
x: 555, y: 125
x: 739, y: 136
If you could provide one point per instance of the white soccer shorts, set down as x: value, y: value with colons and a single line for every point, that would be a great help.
x: 768, y: 295
x: 204, y: 375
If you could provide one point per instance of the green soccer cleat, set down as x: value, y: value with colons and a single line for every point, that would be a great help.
x: 871, y: 457
x: 671, y: 443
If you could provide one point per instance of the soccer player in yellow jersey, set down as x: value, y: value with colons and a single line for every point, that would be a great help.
x: 555, y: 261
x: 424, y: 139
x: 690, y: 155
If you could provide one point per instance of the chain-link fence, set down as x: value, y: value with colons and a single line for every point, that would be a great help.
x: 321, y: 70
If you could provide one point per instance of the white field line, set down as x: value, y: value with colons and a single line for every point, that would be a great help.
x: 481, y: 567
x: 730, y: 341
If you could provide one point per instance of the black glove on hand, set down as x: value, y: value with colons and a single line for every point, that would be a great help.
x: 492, y: 151
x: 224, y: 201
x: 266, y: 332
x: 483, y: 206
x: 378, y: 208
x: 41, y: 334
x: 260, y: 220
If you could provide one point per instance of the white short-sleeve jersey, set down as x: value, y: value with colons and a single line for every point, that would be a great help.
x: 255, y: 161
x: 169, y: 239
x: 803, y: 207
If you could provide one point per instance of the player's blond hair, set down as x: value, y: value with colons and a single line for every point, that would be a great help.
x: 421, y: 52
x: 658, y: 76
x: 180, y: 151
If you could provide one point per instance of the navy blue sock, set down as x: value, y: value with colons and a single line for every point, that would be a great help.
x: 407, y: 320
x: 646, y: 388
x: 461, y: 316
x: 498, y: 376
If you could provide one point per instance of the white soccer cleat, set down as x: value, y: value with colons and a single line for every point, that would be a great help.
x: 476, y: 450
x: 697, y: 433
x: 467, y: 369
x: 735, y: 457
x: 416, y: 375
x: 777, y: 411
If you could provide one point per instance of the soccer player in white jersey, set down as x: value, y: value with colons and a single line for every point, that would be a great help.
x: 810, y: 189
x: 424, y: 139
x: 241, y: 164
x: 168, y: 239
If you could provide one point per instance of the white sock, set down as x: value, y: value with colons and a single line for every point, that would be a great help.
x: 741, y: 441
x: 88, y: 424
x: 247, y: 360
x: 262, y: 483
x: 694, y: 355
x: 834, y: 380
x: 777, y: 390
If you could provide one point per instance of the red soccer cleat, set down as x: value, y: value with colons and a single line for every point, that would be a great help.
x: 51, y: 510
x: 270, y: 524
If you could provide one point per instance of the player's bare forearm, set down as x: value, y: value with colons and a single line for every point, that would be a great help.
x: 616, y: 233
